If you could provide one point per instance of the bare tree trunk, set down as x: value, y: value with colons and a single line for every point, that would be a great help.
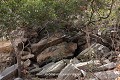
x: 18, y: 56
x: 19, y: 63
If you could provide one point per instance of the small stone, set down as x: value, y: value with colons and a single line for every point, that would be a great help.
x: 74, y: 61
x: 18, y: 79
x: 88, y: 66
x: 107, y: 75
x: 27, y: 56
x: 106, y: 61
x: 108, y: 66
x: 36, y: 70
x: 35, y: 66
x: 27, y: 63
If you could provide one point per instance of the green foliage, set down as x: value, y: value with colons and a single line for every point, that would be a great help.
x: 17, y: 13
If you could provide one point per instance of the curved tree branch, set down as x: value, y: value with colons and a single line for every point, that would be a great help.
x: 103, y: 17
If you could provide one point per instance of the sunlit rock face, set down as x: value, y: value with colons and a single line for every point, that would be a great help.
x: 96, y: 50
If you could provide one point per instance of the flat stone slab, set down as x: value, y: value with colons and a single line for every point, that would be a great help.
x: 8, y: 72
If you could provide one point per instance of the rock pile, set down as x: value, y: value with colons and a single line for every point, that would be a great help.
x: 64, y: 57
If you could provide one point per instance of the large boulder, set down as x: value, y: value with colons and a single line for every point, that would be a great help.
x: 96, y: 50
x: 58, y: 52
x: 53, y: 70
x: 70, y: 72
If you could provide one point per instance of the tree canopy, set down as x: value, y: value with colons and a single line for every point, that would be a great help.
x: 22, y: 13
